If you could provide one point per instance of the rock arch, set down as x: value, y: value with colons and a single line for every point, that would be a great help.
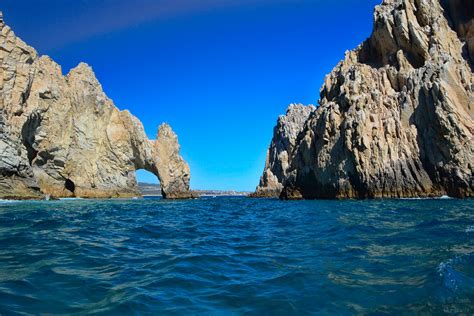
x: 62, y: 136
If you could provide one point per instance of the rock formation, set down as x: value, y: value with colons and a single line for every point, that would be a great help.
x: 283, y: 143
x: 395, y: 117
x: 62, y: 136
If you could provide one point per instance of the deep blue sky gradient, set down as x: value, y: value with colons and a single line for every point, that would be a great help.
x: 220, y: 72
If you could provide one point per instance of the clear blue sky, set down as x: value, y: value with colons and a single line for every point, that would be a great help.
x: 219, y: 71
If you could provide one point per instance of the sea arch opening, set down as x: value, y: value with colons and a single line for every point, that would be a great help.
x: 148, y: 183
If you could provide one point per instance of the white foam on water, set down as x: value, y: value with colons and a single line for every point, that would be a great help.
x: 470, y: 229
x: 442, y: 197
x: 9, y: 201
x: 448, y: 274
x: 453, y: 273
x: 445, y: 197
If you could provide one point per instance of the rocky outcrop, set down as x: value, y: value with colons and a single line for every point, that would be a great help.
x: 395, y: 117
x: 281, y: 148
x: 172, y: 169
x: 62, y: 136
x: 17, y: 180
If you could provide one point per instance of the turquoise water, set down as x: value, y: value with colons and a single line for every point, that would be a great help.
x: 237, y: 256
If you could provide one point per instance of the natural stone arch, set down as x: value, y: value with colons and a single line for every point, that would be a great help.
x: 167, y: 164
x: 62, y: 136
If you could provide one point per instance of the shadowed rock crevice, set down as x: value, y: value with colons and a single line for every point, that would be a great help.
x: 460, y: 14
x: 28, y: 133
x: 70, y: 186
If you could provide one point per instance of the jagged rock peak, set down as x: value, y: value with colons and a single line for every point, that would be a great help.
x: 82, y: 69
x: 396, y: 115
x: 62, y: 136
x: 174, y: 171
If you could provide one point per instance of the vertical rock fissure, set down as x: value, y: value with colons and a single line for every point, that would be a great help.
x: 28, y: 134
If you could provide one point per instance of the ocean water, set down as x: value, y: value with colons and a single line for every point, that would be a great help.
x: 232, y: 256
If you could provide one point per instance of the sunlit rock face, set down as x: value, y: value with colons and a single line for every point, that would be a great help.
x: 395, y: 117
x: 62, y: 136
x: 281, y: 150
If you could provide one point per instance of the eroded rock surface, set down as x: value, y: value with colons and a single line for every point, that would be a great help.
x: 173, y: 170
x: 395, y: 117
x: 62, y: 136
x: 281, y: 149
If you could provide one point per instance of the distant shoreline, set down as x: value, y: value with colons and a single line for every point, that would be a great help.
x: 154, y: 189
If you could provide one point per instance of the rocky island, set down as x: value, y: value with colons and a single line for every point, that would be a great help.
x: 61, y: 136
x: 395, y: 117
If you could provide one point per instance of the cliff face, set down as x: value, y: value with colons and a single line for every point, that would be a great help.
x: 281, y: 149
x: 62, y: 136
x: 395, y: 118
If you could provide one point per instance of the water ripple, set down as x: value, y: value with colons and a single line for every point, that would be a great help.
x: 237, y: 256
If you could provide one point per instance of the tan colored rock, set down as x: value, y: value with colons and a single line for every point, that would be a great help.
x: 62, y: 136
x: 281, y: 149
x: 173, y: 170
x: 396, y: 115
